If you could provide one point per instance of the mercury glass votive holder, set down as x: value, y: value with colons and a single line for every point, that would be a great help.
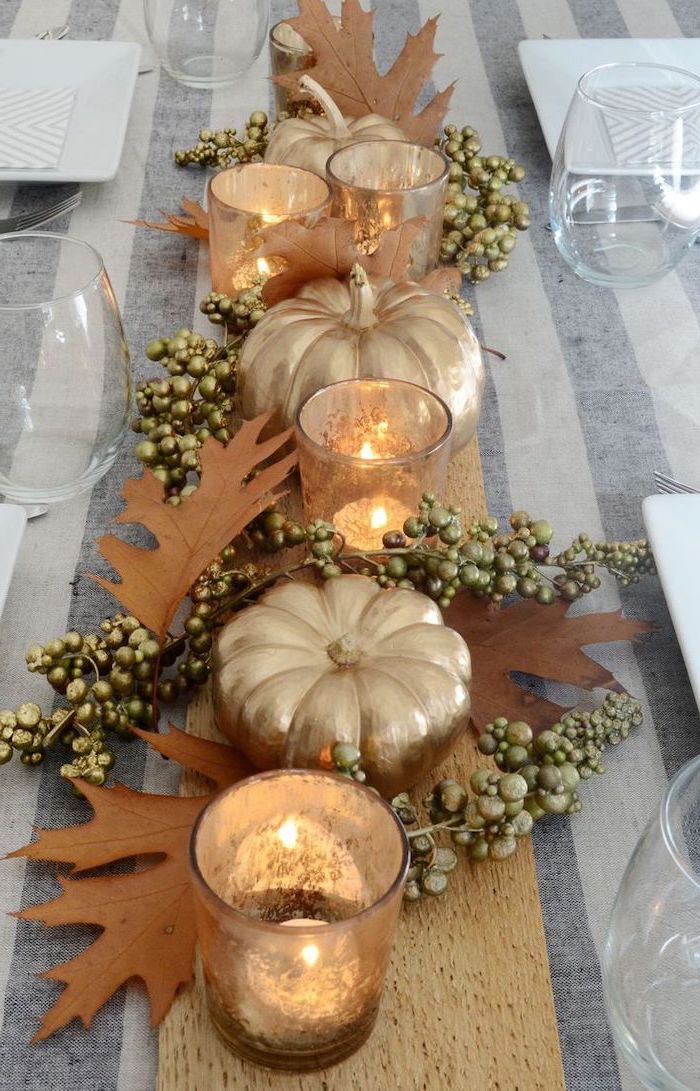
x: 298, y: 880
x: 368, y: 450
x: 243, y: 201
x: 380, y: 184
x: 289, y: 53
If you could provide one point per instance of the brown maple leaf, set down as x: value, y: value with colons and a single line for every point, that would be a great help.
x: 344, y: 66
x: 147, y: 915
x: 535, y: 640
x: 194, y: 223
x: 154, y: 581
x: 328, y: 250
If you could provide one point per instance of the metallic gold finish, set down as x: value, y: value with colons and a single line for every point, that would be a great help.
x: 364, y: 328
x: 285, y: 692
x: 309, y: 142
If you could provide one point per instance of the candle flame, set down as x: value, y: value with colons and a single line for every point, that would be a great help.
x: 310, y: 954
x: 378, y: 518
x: 287, y: 833
x: 367, y: 450
x: 263, y: 267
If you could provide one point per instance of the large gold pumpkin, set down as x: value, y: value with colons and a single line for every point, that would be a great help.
x: 309, y: 142
x: 368, y: 329
x: 307, y: 667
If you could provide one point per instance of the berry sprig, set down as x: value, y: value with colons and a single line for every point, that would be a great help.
x: 224, y: 147
x: 538, y: 777
x: 481, y: 223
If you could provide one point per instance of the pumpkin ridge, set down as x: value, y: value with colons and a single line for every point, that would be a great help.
x: 317, y: 637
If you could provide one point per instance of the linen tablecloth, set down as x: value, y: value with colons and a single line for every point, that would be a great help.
x: 598, y: 388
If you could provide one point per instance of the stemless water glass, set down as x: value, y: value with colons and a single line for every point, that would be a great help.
x: 651, y: 961
x: 625, y: 189
x: 206, y: 43
x: 66, y: 379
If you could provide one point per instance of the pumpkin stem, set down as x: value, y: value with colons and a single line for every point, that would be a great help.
x: 362, y: 314
x: 344, y: 651
x: 339, y: 129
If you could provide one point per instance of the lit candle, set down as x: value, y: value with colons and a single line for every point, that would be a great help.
x: 244, y: 201
x: 368, y: 449
x: 295, y: 920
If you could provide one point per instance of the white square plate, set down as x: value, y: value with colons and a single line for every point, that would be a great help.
x: 103, y: 75
x: 673, y: 529
x: 553, y: 68
x: 12, y: 522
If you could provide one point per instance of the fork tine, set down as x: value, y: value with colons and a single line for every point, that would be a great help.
x: 44, y: 215
x: 669, y: 485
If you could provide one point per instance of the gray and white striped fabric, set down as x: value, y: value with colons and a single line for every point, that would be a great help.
x: 598, y: 388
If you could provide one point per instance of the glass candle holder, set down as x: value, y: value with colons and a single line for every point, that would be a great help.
x: 288, y: 53
x: 243, y: 201
x: 368, y: 450
x: 382, y: 183
x: 298, y: 879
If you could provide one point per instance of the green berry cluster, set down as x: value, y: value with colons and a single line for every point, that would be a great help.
x: 178, y: 413
x: 626, y: 561
x: 273, y: 531
x: 537, y: 776
x: 224, y: 147
x: 481, y: 223
x: 239, y: 313
x: 347, y: 761
x: 577, y: 741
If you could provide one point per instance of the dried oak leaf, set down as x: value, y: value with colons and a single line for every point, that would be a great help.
x: 147, y: 915
x: 194, y: 223
x: 328, y: 250
x: 535, y: 640
x: 154, y: 581
x: 344, y: 66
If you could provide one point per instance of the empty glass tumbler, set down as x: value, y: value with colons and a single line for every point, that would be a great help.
x: 65, y: 368
x: 651, y: 961
x: 625, y: 188
x: 206, y: 43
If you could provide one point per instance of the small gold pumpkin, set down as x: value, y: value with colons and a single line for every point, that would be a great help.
x: 309, y: 142
x: 367, y: 329
x: 307, y: 667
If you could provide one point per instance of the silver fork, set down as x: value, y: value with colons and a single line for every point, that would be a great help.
x: 40, y: 216
x: 666, y: 484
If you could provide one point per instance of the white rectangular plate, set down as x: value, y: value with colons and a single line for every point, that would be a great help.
x: 553, y: 68
x: 673, y: 529
x: 103, y: 75
x: 12, y: 522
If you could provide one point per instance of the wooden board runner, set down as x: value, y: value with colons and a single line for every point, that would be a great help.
x: 468, y: 1000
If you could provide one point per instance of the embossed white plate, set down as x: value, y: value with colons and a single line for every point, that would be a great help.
x: 103, y: 75
x: 673, y: 529
x: 12, y: 522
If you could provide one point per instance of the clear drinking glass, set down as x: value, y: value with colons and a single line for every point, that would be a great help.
x: 206, y: 43
x: 383, y: 183
x: 65, y: 369
x: 298, y: 878
x: 625, y: 188
x: 368, y: 450
x: 651, y: 960
x: 289, y: 53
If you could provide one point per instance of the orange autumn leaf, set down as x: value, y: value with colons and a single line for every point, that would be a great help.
x: 537, y: 640
x: 329, y: 250
x: 147, y: 915
x: 344, y: 66
x: 153, y: 582
x: 194, y: 223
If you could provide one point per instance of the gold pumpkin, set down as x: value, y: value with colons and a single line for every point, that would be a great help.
x: 309, y: 142
x: 368, y: 329
x: 307, y: 667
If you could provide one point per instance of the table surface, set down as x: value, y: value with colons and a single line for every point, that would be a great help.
x: 598, y: 389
